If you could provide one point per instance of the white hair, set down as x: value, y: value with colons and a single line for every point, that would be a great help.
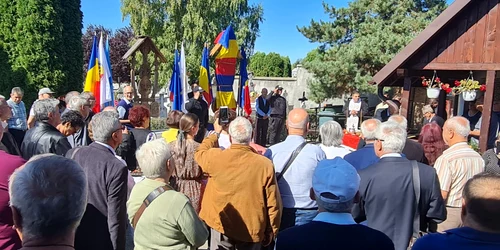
x: 152, y: 158
x: 392, y: 136
x: 42, y: 108
x: 240, y: 130
x: 104, y: 124
x: 331, y: 134
x: 76, y: 102
x: 461, y: 128
x: 370, y: 133
x: 341, y: 207
x: 399, y: 119
x: 50, y: 194
x: 17, y: 90
x: 70, y: 94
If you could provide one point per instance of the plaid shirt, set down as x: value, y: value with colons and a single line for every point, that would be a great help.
x: 18, y: 119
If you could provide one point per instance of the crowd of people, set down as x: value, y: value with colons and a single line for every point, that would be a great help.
x: 66, y: 181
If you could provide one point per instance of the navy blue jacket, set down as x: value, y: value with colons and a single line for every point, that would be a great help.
x: 464, y: 238
x: 362, y: 158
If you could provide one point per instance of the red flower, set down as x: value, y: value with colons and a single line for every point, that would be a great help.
x: 448, y: 90
x: 457, y: 83
x: 445, y: 86
x: 437, y: 80
x: 482, y: 88
x: 425, y: 84
x: 423, y: 77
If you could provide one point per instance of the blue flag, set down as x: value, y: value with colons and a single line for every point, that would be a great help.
x: 176, y: 85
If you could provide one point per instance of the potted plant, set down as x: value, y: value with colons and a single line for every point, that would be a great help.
x: 468, y: 88
x: 434, y: 86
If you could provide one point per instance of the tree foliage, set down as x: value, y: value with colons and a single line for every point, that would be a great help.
x: 119, y: 43
x: 169, y: 23
x: 40, y: 45
x: 270, y: 65
x: 360, y: 39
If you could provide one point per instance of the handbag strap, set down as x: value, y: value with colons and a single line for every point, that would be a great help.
x: 416, y: 189
x: 150, y: 198
x: 290, y: 160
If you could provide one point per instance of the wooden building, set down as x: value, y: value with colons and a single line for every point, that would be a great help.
x: 464, y: 38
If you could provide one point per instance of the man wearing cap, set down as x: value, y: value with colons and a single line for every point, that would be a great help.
x: 335, y: 186
x: 278, y: 115
x: 199, y: 107
x: 43, y: 94
x: 388, y: 202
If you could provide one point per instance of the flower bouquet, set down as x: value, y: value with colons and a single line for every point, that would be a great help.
x: 468, y: 88
x: 434, y: 86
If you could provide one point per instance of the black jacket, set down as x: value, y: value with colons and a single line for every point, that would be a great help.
x: 414, y: 151
x: 200, y: 108
x: 44, y: 138
x: 104, y: 223
x: 437, y: 119
x: 388, y: 199
x: 9, y: 144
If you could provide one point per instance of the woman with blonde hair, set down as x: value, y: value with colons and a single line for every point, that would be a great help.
x: 187, y: 174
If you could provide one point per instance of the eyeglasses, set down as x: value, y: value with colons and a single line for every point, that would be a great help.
x: 122, y: 127
x: 379, y: 139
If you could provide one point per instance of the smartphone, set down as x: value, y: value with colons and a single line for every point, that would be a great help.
x: 223, y: 115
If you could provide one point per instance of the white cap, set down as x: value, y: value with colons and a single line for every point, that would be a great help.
x: 45, y: 91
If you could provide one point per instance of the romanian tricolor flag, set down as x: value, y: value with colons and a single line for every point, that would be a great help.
x: 244, y: 88
x: 92, y: 81
x: 204, y: 78
x: 225, y: 68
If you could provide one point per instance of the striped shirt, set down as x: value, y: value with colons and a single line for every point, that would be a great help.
x: 455, y: 167
x: 18, y: 119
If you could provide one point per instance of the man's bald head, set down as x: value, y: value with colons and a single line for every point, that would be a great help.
x: 369, y: 129
x: 481, y: 201
x: 110, y: 108
x: 297, y: 122
x: 399, y: 119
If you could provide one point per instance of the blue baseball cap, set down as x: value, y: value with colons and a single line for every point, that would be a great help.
x: 337, y: 177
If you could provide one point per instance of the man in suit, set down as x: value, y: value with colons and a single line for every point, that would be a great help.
x: 263, y: 110
x: 365, y: 156
x: 387, y: 193
x: 430, y: 116
x: 413, y: 150
x: 105, y: 221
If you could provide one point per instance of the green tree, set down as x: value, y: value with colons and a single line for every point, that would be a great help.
x: 270, y: 65
x: 360, y: 39
x: 169, y: 23
x: 41, y: 40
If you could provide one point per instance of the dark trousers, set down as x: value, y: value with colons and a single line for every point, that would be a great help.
x: 276, y: 126
x: 261, y: 136
x: 18, y: 136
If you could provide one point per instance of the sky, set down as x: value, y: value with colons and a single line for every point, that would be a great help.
x: 278, y: 32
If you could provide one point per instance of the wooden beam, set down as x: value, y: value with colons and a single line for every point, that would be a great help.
x: 405, y: 97
x: 487, y: 107
x: 456, y: 66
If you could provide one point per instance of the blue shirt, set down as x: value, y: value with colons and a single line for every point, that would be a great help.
x: 259, y: 111
x: 464, y: 238
x: 297, y: 180
x: 18, y: 119
x: 362, y: 158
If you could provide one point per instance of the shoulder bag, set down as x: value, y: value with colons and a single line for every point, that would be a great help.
x: 290, y: 160
x: 416, y: 219
x: 150, y: 198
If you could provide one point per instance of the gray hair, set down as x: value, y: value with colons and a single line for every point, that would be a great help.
x: 87, y: 95
x: 42, y: 108
x: 17, y: 90
x: 50, y: 194
x: 460, y: 125
x: 104, y: 124
x: 370, y: 133
x: 2, y: 97
x: 240, y: 131
x: 393, y: 137
x: 70, y: 94
x: 342, y: 207
x: 77, y: 102
x: 331, y: 134
x: 399, y: 119
x: 3, y: 101
x: 427, y: 109
x: 152, y: 158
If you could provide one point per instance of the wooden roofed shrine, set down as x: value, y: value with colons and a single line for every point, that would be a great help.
x: 464, y: 38
x: 145, y: 88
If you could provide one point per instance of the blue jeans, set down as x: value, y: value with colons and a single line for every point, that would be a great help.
x: 296, y: 217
